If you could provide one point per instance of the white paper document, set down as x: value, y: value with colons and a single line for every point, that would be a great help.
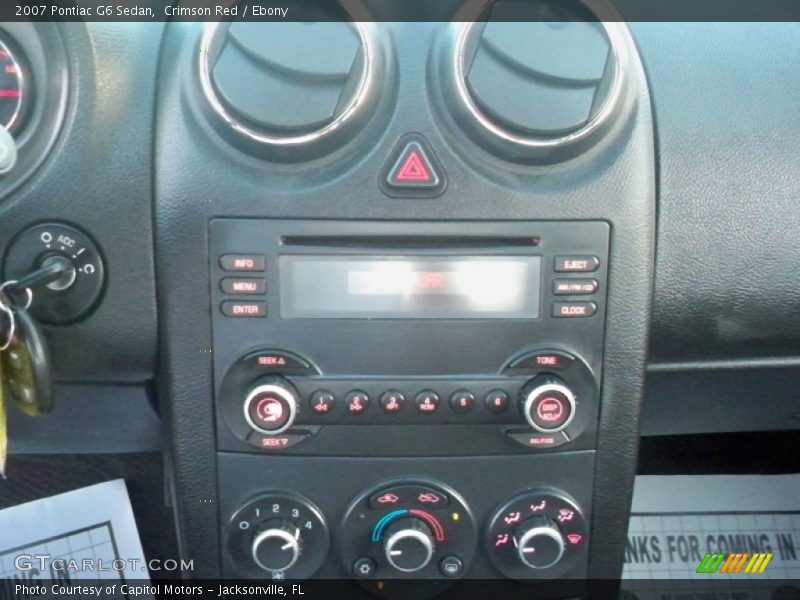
x: 86, y: 534
x: 685, y: 534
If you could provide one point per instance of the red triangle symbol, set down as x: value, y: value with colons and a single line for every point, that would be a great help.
x: 414, y: 169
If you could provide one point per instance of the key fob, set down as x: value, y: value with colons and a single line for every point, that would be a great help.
x: 26, y: 368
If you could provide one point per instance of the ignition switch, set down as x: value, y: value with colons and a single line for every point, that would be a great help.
x: 77, y: 291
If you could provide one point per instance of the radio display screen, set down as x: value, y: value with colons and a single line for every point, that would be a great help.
x: 410, y: 287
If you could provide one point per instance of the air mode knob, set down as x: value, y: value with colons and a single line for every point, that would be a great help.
x: 547, y: 403
x: 277, y: 546
x: 270, y: 407
x: 539, y: 542
x: 409, y: 545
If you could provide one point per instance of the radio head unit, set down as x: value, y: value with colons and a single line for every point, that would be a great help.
x: 356, y: 337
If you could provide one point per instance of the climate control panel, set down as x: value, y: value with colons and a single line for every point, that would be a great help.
x: 407, y: 529
x: 410, y: 530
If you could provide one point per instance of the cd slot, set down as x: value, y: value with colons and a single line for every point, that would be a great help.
x: 404, y: 241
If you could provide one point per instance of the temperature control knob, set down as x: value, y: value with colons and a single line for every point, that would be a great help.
x: 277, y: 546
x: 270, y: 407
x: 409, y: 545
x: 547, y: 404
x: 539, y: 543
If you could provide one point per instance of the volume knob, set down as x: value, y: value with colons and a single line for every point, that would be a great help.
x: 277, y: 547
x: 271, y: 406
x: 547, y: 404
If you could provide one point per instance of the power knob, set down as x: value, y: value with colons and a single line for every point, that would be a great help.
x: 547, y: 404
x: 270, y: 407
x: 539, y: 543
x: 277, y: 546
x: 409, y: 545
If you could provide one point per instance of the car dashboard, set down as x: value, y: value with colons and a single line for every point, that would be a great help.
x: 397, y: 297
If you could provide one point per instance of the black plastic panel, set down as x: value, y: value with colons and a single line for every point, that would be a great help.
x: 333, y: 483
x: 99, y: 177
x: 410, y: 354
x: 89, y: 419
x: 201, y: 177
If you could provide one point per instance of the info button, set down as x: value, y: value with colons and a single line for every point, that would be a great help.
x: 243, y: 262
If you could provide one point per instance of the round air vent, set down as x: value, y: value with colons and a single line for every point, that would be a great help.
x: 536, y: 77
x: 290, y: 88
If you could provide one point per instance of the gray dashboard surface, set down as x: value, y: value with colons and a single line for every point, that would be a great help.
x: 725, y: 99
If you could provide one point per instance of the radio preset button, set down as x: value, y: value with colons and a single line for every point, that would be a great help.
x: 574, y: 287
x: 576, y: 264
x: 322, y: 402
x: 243, y: 285
x: 393, y: 401
x: 240, y: 309
x: 574, y: 310
x: 357, y: 402
x: 243, y: 262
x: 427, y: 401
x: 462, y: 401
x: 496, y: 401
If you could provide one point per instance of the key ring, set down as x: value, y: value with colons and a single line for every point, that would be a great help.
x: 28, y: 290
x: 12, y: 321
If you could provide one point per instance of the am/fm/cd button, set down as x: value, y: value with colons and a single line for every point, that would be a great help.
x: 574, y: 287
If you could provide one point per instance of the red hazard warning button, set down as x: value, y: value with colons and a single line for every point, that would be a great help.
x: 413, y: 169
